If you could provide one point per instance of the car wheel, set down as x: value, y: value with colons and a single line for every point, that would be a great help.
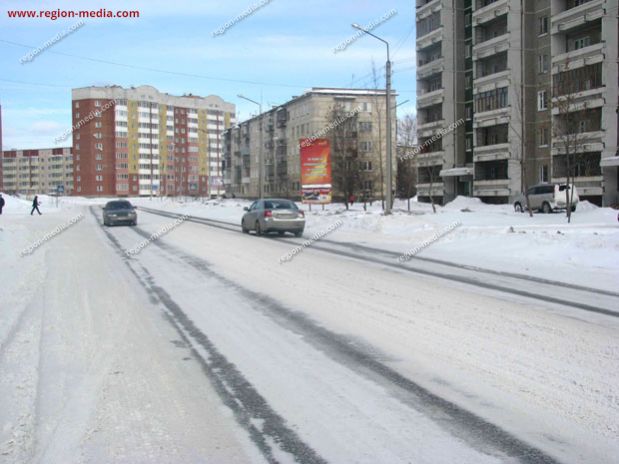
x: 258, y: 228
x: 546, y: 209
x: 134, y: 223
x: 105, y: 223
x: 573, y: 208
x: 281, y: 233
x: 244, y: 229
x: 518, y: 208
x: 298, y: 233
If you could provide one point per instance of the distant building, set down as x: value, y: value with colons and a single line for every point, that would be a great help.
x: 310, y: 115
x: 491, y: 75
x: 139, y: 141
x: 30, y: 172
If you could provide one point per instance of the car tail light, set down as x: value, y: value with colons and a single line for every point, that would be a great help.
x: 301, y: 213
x: 268, y: 213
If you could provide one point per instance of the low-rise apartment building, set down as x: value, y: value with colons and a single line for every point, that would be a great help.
x: 139, y: 141
x: 30, y: 172
x: 525, y: 83
x: 275, y: 135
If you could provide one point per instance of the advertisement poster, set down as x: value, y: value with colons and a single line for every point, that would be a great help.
x: 316, y: 186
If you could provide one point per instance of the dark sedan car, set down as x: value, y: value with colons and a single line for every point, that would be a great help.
x: 119, y: 212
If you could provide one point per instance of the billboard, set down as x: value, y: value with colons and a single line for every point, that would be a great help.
x: 316, y: 184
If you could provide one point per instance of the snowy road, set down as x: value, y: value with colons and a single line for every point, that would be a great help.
x: 203, y: 347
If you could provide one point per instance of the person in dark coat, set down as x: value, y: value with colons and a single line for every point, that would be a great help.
x: 1, y: 203
x: 35, y: 205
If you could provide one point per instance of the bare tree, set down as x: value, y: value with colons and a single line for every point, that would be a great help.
x: 346, y: 172
x: 406, y: 179
x: 566, y: 127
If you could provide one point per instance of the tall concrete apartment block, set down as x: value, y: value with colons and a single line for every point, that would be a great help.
x: 139, y: 141
x: 308, y: 115
x: 30, y: 172
x: 497, y: 83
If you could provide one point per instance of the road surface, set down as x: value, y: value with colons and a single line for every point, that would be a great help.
x: 203, y: 347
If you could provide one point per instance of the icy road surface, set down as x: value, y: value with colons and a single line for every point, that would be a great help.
x: 204, y: 348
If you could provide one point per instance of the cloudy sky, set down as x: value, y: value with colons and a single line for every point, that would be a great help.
x: 283, y: 48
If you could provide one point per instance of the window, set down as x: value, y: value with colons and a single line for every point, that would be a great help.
x: 467, y: 51
x: 365, y: 146
x: 542, y: 64
x: 467, y: 19
x: 542, y: 25
x: 542, y: 101
x: 97, y: 103
x: 367, y: 107
x: 99, y: 167
x: 366, y: 165
x: 582, y: 42
x: 469, y: 112
x: 543, y: 135
x: 543, y: 173
x: 365, y: 127
x: 469, y: 142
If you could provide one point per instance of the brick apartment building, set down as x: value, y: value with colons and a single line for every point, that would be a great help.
x: 30, y: 172
x: 139, y: 141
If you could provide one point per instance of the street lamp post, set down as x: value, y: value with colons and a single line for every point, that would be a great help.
x: 260, y: 167
x: 389, y: 158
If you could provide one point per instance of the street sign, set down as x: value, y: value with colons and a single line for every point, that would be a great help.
x: 60, y: 189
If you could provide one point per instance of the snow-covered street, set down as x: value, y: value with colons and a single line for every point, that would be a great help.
x: 204, y: 347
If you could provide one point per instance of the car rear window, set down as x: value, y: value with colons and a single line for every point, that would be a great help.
x: 279, y: 204
x: 118, y: 205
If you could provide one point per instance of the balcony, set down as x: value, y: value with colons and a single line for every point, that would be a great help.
x: 430, y: 7
x: 430, y: 159
x: 577, y: 16
x: 578, y: 58
x: 430, y: 98
x: 500, y: 79
x: 426, y: 129
x: 491, y: 188
x: 491, y: 47
x: 492, y: 117
x: 585, y: 100
x: 583, y: 142
x: 432, y: 67
x: 430, y: 38
x: 494, y: 152
x: 489, y: 12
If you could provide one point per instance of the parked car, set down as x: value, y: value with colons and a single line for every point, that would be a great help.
x: 546, y: 198
x: 273, y: 215
x: 119, y: 212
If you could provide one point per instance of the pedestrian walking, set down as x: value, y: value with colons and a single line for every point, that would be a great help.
x: 35, y: 205
x: 1, y: 203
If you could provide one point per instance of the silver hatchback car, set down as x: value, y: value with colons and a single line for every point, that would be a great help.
x: 273, y: 215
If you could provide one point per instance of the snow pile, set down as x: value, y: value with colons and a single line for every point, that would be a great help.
x: 584, y: 205
x: 14, y: 205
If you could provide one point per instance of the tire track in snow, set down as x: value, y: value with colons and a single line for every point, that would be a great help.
x: 462, y: 423
x: 500, y: 287
x: 265, y: 427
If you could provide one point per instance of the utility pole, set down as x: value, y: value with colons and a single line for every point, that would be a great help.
x: 389, y: 159
x: 260, y: 155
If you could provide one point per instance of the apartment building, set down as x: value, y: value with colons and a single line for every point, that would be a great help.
x: 277, y: 133
x: 506, y: 88
x: 139, y: 141
x: 30, y: 172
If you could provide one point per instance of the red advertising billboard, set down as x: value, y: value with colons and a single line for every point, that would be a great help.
x: 316, y: 186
